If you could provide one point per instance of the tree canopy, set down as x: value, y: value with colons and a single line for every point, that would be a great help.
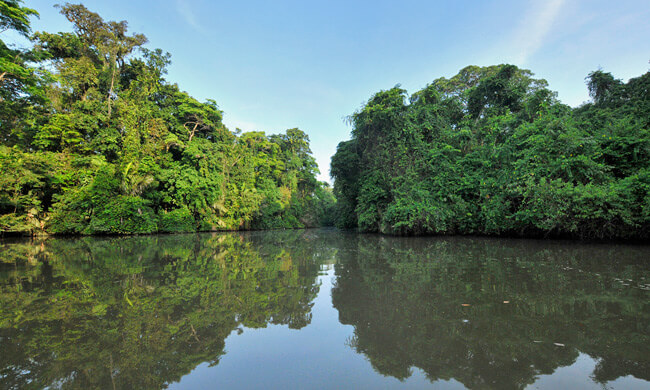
x: 94, y: 139
x: 492, y: 151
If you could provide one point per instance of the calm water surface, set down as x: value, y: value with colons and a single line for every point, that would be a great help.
x: 322, y: 309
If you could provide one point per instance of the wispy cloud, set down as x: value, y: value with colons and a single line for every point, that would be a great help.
x: 184, y: 8
x: 535, y: 27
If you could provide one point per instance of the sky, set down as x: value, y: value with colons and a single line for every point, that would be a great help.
x: 275, y: 65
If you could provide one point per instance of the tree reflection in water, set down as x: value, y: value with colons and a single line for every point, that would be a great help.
x: 494, y: 313
x: 142, y: 312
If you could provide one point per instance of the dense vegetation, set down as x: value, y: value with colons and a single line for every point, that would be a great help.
x: 93, y: 139
x: 492, y: 151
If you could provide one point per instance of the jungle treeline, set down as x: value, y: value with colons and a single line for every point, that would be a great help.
x: 94, y: 140
x: 493, y: 151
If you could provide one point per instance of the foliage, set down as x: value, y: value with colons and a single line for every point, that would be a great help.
x: 492, y: 151
x: 177, y: 220
x: 96, y: 141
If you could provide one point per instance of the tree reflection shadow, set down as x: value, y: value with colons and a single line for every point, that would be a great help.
x: 141, y: 312
x: 494, y: 313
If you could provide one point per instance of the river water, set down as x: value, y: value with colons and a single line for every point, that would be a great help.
x: 322, y: 309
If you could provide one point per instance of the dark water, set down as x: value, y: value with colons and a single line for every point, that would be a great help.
x: 322, y: 309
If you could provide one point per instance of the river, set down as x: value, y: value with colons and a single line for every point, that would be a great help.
x: 322, y: 309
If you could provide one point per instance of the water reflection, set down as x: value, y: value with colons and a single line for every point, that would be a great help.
x: 140, y: 312
x: 495, y: 313
x: 143, y: 312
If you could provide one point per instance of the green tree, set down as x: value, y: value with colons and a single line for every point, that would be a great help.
x: 492, y: 151
x: 133, y: 152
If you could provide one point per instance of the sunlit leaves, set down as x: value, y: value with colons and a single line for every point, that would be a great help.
x: 493, y: 151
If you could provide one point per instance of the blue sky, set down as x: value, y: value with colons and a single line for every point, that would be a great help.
x: 274, y: 65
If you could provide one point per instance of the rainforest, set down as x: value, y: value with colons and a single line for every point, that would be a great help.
x: 94, y: 140
x: 492, y: 151
x: 166, y: 225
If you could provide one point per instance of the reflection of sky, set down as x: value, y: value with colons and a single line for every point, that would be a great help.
x: 576, y: 376
x: 314, y: 357
x: 318, y: 356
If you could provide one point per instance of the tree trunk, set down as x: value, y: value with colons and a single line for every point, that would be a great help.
x: 110, y: 92
x: 193, y: 131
